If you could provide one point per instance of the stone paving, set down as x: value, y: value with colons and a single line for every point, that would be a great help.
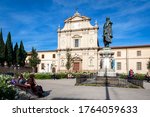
x: 65, y: 89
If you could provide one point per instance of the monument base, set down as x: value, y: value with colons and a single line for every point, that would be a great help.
x: 107, y: 63
x: 109, y: 73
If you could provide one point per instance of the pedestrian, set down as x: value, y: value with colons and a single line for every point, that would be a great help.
x: 54, y: 76
x: 131, y: 74
x: 37, y: 89
x: 21, y: 79
x: 148, y: 76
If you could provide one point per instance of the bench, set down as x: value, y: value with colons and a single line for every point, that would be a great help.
x: 23, y: 87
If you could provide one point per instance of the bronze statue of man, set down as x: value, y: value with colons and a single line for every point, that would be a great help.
x: 107, y: 32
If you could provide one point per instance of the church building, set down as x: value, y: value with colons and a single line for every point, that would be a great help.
x: 80, y: 39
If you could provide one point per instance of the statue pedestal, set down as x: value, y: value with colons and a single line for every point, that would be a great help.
x: 107, y: 63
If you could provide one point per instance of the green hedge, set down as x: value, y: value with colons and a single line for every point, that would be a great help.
x: 46, y: 75
x: 43, y: 76
x: 136, y: 76
x: 123, y: 76
x: 140, y: 76
x: 38, y: 75
x: 60, y: 75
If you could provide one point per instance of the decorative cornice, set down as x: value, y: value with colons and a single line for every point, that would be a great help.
x: 47, y: 51
x: 77, y: 20
x: 73, y: 30
x: 76, y: 59
x: 124, y: 47
x: 74, y: 49
x: 98, y: 48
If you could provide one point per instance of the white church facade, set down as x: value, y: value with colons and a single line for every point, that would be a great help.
x: 81, y: 39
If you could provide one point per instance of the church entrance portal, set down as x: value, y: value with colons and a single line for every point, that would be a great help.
x: 76, y: 66
x: 53, y: 70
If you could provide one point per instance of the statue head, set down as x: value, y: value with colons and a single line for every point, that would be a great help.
x: 107, y: 18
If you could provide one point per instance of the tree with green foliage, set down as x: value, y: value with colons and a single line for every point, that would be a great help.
x: 148, y: 64
x: 21, y: 55
x: 9, y: 50
x: 2, y: 49
x: 34, y: 60
x: 15, y: 54
x: 69, y: 60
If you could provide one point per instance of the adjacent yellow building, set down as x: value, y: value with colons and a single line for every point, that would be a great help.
x: 131, y: 57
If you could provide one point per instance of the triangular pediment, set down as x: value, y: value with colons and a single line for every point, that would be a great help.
x: 77, y: 17
x: 76, y: 59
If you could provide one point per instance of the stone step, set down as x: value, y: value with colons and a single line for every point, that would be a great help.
x: 101, y: 77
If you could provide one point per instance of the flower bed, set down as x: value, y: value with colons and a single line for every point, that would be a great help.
x: 7, y: 91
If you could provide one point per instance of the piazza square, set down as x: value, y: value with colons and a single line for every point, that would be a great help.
x: 80, y: 50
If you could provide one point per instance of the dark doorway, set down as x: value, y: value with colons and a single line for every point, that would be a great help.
x: 76, y: 66
x: 53, y: 70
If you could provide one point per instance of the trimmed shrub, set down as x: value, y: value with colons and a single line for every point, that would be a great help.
x: 46, y: 75
x: 61, y: 75
x: 77, y: 75
x: 43, y: 76
x: 26, y: 75
x: 139, y: 76
x: 136, y: 76
x: 123, y: 76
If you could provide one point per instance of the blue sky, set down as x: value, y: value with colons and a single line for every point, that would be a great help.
x: 36, y: 21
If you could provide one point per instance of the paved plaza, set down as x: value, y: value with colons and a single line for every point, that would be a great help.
x: 65, y: 89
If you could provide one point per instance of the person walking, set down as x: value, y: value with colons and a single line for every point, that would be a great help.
x: 148, y: 76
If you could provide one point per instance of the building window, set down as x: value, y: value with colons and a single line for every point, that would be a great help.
x: 118, y: 65
x: 62, y: 63
x: 42, y: 66
x: 76, y: 44
x: 42, y: 55
x: 91, y: 62
x: 139, y: 66
x: 138, y: 53
x: 118, y: 53
x: 54, y: 56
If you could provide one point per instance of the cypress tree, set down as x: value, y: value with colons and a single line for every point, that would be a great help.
x: 21, y: 55
x: 9, y: 50
x: 2, y: 49
x: 69, y: 60
x: 34, y: 60
x: 15, y: 55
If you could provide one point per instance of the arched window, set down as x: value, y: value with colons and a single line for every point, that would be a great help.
x: 62, y: 63
x: 42, y: 66
x: 91, y: 62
